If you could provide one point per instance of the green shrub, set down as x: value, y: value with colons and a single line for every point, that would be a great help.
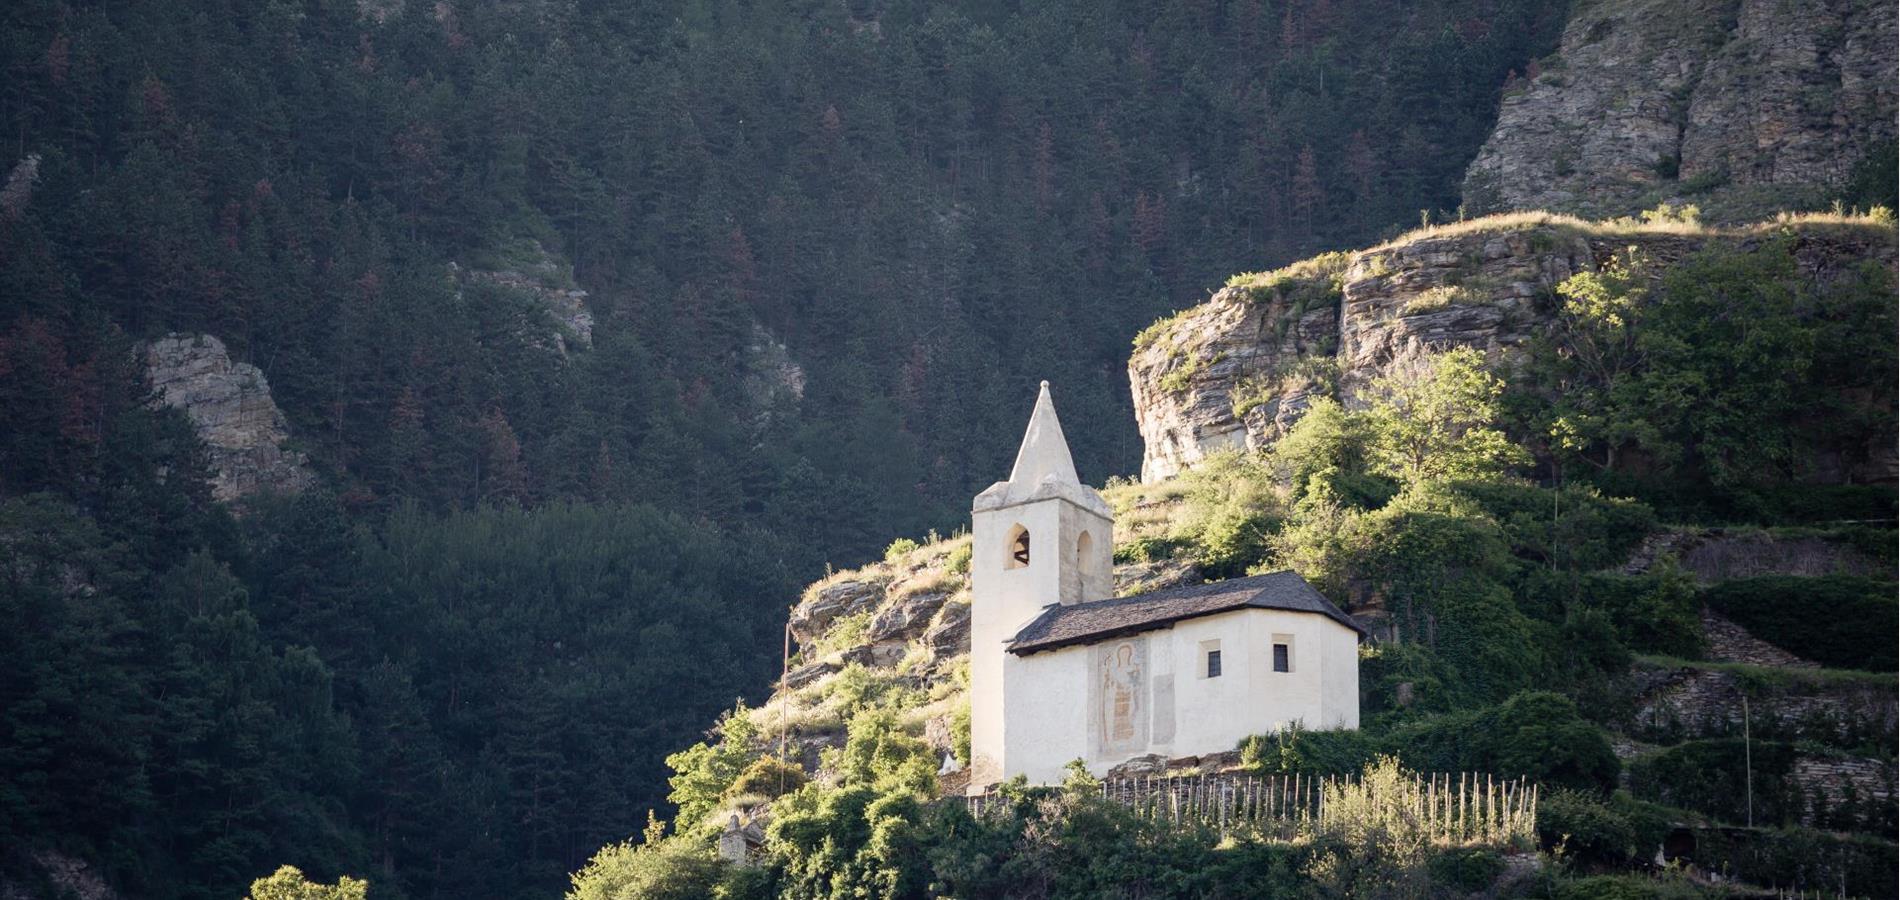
x: 660, y: 868
x: 289, y: 883
x: 1148, y: 549
x: 768, y: 776
x: 1801, y: 859
x: 1595, y: 830
x: 1536, y: 734
x: 1625, y: 887
x: 1804, y: 503
x: 1710, y: 777
x: 1654, y: 613
x: 1387, y: 669
x: 899, y: 549
x: 1541, y: 734
x: 1467, y: 869
x: 1296, y: 749
x: 704, y: 772
x: 1838, y: 621
x: 1572, y: 528
x: 957, y: 562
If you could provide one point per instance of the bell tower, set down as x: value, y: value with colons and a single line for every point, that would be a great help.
x: 1038, y: 539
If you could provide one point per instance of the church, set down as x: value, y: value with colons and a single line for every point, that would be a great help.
x: 1061, y: 669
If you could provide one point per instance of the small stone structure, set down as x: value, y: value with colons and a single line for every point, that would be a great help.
x: 741, y: 844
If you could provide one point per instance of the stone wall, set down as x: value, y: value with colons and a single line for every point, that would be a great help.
x: 1672, y: 703
x: 1845, y: 791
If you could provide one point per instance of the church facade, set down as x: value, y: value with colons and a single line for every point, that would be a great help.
x: 1061, y: 669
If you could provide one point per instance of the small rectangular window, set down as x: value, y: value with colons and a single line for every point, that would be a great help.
x: 1213, y: 663
x: 1282, y: 658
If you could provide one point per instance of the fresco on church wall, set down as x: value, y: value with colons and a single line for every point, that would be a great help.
x: 1118, y: 698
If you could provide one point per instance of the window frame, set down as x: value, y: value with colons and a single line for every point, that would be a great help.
x: 1213, y: 663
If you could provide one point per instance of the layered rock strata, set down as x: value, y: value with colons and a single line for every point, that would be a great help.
x: 1239, y: 370
x: 1743, y: 106
x: 229, y: 404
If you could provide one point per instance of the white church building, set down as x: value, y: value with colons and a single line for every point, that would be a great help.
x: 1061, y: 669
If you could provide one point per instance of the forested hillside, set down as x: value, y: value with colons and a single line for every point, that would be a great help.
x: 599, y: 326
x: 930, y: 207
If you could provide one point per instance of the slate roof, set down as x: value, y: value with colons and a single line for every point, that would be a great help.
x: 1087, y: 623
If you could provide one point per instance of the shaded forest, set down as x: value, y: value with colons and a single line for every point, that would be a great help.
x: 532, y: 572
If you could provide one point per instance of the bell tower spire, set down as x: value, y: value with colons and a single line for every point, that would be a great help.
x: 1044, y: 453
x: 1039, y: 539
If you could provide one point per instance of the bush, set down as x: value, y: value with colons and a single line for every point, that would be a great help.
x: 768, y: 776
x: 1838, y: 621
x: 1625, y: 887
x: 289, y: 883
x: 1386, y: 669
x: 899, y: 549
x: 1654, y: 613
x: 1540, y: 734
x: 1296, y: 749
x: 1148, y: 549
x: 675, y: 868
x: 1231, y: 511
x: 1801, y: 859
x: 1536, y: 734
x: 1596, y: 830
x: 1467, y: 869
x: 957, y: 562
x: 1573, y: 528
x: 1710, y: 777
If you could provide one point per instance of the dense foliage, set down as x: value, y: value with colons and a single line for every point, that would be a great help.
x: 1823, y: 619
x: 444, y: 704
x: 931, y: 206
x: 1710, y: 385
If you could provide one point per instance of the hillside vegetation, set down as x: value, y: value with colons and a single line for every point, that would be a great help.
x: 1560, y: 631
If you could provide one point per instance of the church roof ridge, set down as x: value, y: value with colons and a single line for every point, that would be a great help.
x: 1086, y: 623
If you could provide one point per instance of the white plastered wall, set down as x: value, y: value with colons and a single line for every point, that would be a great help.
x: 1049, y: 720
x: 1004, y: 599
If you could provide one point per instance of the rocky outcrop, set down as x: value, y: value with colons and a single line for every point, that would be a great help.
x: 45, y: 870
x: 772, y: 378
x: 825, y: 604
x: 1228, y: 375
x: 906, y: 619
x: 230, y: 406
x: 1742, y: 106
x: 1237, y: 371
x: 542, y: 276
x: 949, y: 634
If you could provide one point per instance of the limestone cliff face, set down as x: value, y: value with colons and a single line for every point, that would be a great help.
x: 1238, y: 370
x: 230, y: 405
x: 1741, y: 106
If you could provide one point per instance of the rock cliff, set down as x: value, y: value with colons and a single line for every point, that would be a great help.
x: 1742, y: 106
x: 1236, y: 371
x: 533, y: 271
x: 230, y: 405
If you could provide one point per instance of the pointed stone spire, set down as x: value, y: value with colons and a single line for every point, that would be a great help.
x: 1043, y: 467
x: 1044, y: 451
